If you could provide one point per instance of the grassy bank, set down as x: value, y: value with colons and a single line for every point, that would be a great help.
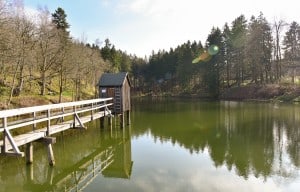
x: 270, y: 92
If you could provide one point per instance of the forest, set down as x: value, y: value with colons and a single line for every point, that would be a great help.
x: 38, y: 57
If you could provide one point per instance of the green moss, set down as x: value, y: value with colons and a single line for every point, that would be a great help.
x: 286, y: 98
x: 297, y: 99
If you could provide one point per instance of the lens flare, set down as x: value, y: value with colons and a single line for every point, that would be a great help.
x: 213, y: 50
x: 207, y: 54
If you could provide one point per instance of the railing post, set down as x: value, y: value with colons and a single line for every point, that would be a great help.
x: 102, y: 119
x: 74, y: 116
x: 104, y: 108
x: 48, y: 123
x: 63, y: 118
x: 34, y: 118
x: 4, y: 148
x: 92, y: 112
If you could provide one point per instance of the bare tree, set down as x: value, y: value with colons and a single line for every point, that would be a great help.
x: 18, y: 47
x: 4, y: 39
x: 47, y: 50
x: 278, y: 27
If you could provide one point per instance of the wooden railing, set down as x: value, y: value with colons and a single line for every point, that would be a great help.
x: 51, y: 118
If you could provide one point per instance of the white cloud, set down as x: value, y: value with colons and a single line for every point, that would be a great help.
x: 160, y: 24
x: 169, y: 22
x: 140, y: 26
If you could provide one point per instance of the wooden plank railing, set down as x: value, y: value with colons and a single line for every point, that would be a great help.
x: 46, y: 115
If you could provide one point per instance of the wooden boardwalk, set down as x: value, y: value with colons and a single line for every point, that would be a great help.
x: 53, y: 118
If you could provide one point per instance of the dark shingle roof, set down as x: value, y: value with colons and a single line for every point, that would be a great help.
x: 112, y: 79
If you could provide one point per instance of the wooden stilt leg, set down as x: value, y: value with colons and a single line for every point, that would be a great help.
x: 128, y: 118
x: 102, y: 122
x: 29, y: 173
x: 122, y: 120
x: 29, y: 153
x: 109, y: 121
x: 50, y: 154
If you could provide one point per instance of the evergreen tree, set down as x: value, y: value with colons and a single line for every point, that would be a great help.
x: 59, y: 18
x: 259, y: 49
x: 106, y: 50
x: 185, y: 66
x: 227, y: 54
x: 237, y: 47
x: 214, y: 66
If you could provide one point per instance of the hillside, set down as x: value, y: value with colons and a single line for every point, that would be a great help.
x: 285, y: 93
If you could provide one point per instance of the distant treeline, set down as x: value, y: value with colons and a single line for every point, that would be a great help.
x: 254, y: 51
x: 38, y: 56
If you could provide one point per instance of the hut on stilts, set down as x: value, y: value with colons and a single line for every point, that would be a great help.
x: 117, y: 85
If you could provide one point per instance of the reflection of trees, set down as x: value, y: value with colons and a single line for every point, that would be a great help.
x: 293, y: 135
x: 288, y: 134
x: 250, y: 141
x: 246, y: 137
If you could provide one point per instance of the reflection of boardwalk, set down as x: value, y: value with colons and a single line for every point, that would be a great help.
x: 111, y: 156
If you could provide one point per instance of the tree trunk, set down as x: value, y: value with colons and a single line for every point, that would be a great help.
x: 43, y: 83
x: 13, y: 85
x: 60, y: 84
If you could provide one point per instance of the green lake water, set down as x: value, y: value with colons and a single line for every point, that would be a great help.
x: 172, y: 145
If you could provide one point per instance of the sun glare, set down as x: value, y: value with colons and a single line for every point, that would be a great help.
x: 207, y: 54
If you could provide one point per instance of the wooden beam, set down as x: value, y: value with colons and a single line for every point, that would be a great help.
x: 12, y: 143
x: 50, y: 154
x: 79, y: 121
x: 48, y: 140
x: 20, y: 111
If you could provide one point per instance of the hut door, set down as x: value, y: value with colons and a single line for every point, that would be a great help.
x: 110, y: 92
x: 107, y: 92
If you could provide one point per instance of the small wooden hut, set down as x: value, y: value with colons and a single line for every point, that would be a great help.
x: 116, y: 85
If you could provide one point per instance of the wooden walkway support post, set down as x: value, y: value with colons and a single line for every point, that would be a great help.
x: 29, y: 173
x: 50, y: 154
x: 29, y: 153
x: 122, y: 119
x: 128, y: 118
x: 48, y: 142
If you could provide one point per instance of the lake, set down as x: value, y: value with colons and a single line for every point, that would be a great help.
x: 172, y: 145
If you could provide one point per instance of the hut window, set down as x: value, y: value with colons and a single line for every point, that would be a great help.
x: 103, y: 90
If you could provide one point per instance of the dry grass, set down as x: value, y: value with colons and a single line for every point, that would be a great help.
x: 264, y: 92
x: 28, y: 101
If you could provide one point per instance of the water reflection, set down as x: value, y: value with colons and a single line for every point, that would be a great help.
x: 81, y: 157
x: 177, y: 146
x: 260, y: 139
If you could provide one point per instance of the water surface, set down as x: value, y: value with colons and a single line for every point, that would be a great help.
x: 172, y: 145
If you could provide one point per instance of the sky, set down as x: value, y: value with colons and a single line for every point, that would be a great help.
x: 140, y: 26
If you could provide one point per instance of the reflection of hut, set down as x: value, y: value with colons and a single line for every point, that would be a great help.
x: 116, y: 85
x: 122, y: 165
